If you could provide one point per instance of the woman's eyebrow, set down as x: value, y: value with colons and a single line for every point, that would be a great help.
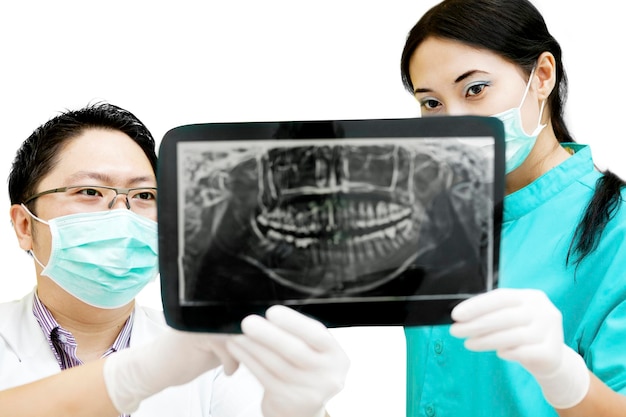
x: 456, y: 81
x: 468, y: 74
x: 422, y: 90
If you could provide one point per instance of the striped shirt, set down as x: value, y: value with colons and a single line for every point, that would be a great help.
x: 62, y: 342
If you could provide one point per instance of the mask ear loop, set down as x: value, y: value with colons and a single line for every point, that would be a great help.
x: 30, y: 251
x: 33, y: 216
x: 530, y: 78
x: 543, y: 104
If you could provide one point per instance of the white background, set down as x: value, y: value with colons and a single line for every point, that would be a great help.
x: 181, y: 62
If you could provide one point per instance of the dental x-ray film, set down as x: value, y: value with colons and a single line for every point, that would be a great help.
x: 353, y: 222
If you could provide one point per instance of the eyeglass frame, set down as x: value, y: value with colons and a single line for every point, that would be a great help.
x: 118, y: 191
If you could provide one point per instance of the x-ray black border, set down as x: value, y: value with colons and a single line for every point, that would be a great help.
x: 225, y: 318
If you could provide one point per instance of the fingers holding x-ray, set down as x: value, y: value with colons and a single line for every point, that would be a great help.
x: 289, y: 352
x: 491, y: 321
x: 520, y: 325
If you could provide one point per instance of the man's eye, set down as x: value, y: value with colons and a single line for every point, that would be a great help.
x: 146, y: 195
x: 89, y: 192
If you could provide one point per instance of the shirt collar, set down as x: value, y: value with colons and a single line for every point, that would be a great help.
x: 526, y: 199
x: 45, y: 319
x: 50, y: 327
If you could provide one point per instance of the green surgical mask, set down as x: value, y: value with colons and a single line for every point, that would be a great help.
x: 102, y: 258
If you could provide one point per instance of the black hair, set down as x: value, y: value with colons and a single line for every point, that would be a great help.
x: 516, y: 30
x: 39, y: 152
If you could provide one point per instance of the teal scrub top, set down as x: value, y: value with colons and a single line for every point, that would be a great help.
x: 445, y: 379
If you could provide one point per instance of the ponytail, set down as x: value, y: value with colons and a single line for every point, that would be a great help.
x: 599, y: 212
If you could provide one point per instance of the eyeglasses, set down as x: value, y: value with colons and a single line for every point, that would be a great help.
x: 90, y: 197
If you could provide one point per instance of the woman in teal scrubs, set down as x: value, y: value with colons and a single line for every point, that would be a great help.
x: 552, y: 340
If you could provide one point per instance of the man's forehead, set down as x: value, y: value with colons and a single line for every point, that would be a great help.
x: 101, y: 156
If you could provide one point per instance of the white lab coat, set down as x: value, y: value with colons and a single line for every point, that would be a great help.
x: 25, y: 356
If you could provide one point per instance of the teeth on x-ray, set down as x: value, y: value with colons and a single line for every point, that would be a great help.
x: 279, y: 232
x: 358, y: 221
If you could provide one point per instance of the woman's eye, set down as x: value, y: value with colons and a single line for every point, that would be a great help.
x: 475, y: 89
x: 430, y: 104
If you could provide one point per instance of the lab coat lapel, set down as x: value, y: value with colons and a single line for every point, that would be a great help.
x: 28, y: 356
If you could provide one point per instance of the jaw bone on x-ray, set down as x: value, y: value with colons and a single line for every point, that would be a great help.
x: 326, y: 220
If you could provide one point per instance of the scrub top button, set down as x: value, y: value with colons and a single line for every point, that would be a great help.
x: 438, y: 347
x: 430, y: 410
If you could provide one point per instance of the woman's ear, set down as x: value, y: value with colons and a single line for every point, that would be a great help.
x: 546, y: 75
x: 21, y: 221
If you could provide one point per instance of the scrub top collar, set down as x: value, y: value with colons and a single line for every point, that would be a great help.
x: 527, y: 199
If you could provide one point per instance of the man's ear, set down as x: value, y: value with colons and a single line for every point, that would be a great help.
x: 546, y: 74
x: 21, y: 221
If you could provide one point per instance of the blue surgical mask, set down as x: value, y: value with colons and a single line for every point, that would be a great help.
x: 518, y: 143
x: 102, y: 258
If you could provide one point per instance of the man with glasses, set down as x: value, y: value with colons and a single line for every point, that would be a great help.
x: 83, y: 194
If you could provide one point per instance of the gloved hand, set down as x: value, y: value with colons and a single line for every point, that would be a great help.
x: 174, y: 358
x: 295, y: 358
x: 523, y: 325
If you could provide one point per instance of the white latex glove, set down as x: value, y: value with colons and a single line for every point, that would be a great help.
x: 524, y: 326
x: 295, y: 358
x: 174, y: 358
